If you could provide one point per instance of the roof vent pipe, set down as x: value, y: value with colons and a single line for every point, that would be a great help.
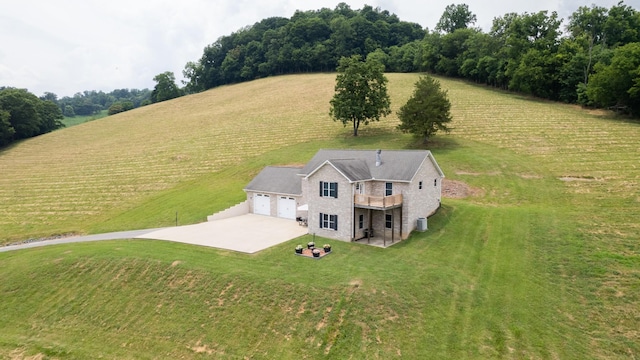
x: 378, y: 158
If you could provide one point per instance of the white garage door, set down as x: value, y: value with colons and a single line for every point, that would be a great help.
x: 262, y: 204
x: 286, y: 207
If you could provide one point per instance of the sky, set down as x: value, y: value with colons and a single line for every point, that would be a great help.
x: 70, y: 46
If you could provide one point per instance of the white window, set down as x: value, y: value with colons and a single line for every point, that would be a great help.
x: 360, y: 188
x: 328, y: 221
x: 328, y: 189
x: 388, y: 189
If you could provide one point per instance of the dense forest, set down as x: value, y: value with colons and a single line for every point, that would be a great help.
x: 593, y: 59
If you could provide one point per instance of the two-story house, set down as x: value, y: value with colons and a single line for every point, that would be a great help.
x: 352, y: 194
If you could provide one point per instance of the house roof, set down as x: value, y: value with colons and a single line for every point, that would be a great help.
x: 278, y: 180
x: 357, y: 165
x: 352, y: 169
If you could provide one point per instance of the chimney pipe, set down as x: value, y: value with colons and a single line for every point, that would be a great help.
x: 378, y: 158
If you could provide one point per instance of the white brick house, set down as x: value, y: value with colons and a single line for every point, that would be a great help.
x: 352, y: 194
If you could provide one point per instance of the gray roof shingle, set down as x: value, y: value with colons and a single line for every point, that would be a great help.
x: 353, y: 169
x: 279, y: 180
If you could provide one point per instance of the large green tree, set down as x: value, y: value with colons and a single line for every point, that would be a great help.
x: 427, y: 111
x: 24, y: 115
x: 360, y: 92
x: 165, y: 88
x: 23, y: 109
x: 456, y: 17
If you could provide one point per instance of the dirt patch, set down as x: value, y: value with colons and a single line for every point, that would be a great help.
x: 530, y: 176
x: 200, y: 348
x: 469, y: 173
x: 578, y: 178
x: 176, y: 263
x: 455, y: 189
x: 18, y: 354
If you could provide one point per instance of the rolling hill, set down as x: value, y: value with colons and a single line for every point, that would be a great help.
x: 541, y: 262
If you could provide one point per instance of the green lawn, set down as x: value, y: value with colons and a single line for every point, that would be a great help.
x: 541, y: 263
x: 77, y: 120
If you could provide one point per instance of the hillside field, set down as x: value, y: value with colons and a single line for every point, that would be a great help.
x: 542, y: 261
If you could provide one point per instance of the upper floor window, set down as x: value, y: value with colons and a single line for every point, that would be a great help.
x: 359, y: 188
x: 388, y: 189
x: 328, y: 189
x: 420, y: 185
x: 435, y: 182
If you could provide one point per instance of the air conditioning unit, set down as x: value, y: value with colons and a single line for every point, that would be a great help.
x: 422, y: 224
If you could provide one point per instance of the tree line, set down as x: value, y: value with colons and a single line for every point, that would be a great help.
x: 592, y: 60
x: 91, y: 102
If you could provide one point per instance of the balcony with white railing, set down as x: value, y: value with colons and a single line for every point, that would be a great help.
x: 377, y: 202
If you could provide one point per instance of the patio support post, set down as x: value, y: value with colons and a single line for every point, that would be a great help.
x: 384, y: 232
x: 370, y: 228
x: 393, y: 224
x: 353, y: 237
x: 400, y: 222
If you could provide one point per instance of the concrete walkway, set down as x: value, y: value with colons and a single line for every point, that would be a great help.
x: 247, y: 233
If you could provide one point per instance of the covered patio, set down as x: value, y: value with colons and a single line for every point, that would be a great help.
x: 383, y: 219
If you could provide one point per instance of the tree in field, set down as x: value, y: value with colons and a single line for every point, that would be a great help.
x: 427, y: 111
x: 456, y: 17
x: 360, y: 92
x: 166, y: 88
x: 120, y: 106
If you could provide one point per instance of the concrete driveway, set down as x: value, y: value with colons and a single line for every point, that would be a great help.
x: 246, y: 233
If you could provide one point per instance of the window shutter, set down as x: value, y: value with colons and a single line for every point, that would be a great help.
x: 320, y: 188
x: 321, y: 216
x: 335, y: 194
x: 335, y: 222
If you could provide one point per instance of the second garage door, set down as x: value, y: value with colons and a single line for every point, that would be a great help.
x: 286, y: 207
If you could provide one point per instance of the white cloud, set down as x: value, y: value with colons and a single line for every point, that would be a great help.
x: 71, y: 46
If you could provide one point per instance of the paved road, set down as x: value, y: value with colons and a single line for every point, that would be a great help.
x: 74, y: 239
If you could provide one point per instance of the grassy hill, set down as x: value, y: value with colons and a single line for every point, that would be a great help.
x: 542, y: 262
